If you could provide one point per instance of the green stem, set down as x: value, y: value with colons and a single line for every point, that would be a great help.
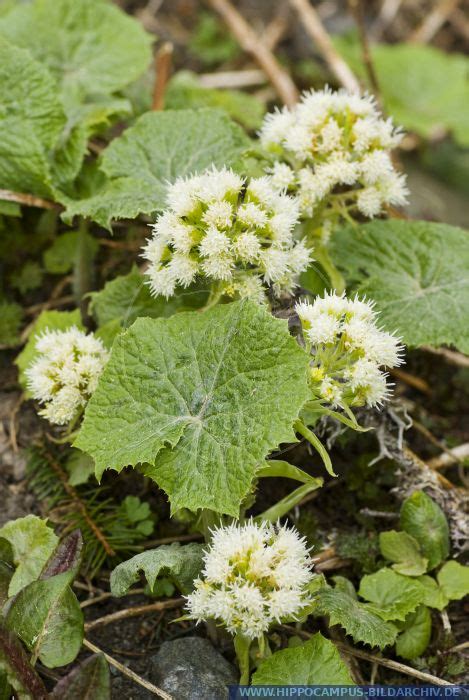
x: 208, y: 520
x: 322, y: 256
x: 242, y: 645
x: 82, y: 268
x: 301, y: 428
x: 215, y: 295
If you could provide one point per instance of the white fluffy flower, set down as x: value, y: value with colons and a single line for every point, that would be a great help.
x: 348, y: 350
x: 65, y: 373
x: 254, y: 575
x: 335, y: 142
x: 225, y: 228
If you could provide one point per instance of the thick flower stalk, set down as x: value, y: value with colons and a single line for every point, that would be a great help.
x: 333, y: 151
x: 235, y: 233
x: 254, y: 576
x: 348, y: 351
x: 65, y: 373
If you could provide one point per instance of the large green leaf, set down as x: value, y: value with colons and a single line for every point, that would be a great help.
x: 46, y: 615
x: 156, y: 150
x: 201, y: 398
x: 415, y: 637
x: 393, y: 596
x: 424, y: 88
x: 404, y: 550
x: 48, y: 320
x: 362, y: 624
x: 89, y: 681
x: 416, y: 271
x: 453, y: 578
x: 422, y: 518
x: 32, y: 543
x: 14, y: 663
x: 434, y: 596
x: 89, y: 46
x: 317, y: 662
x: 31, y: 121
x: 180, y: 564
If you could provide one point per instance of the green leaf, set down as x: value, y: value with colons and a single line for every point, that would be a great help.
x: 181, y: 564
x: 404, y: 550
x: 362, y: 624
x: 422, y: 518
x: 425, y: 291
x: 394, y: 596
x: 62, y: 255
x: 140, y: 163
x: 317, y: 662
x: 31, y: 121
x: 80, y: 467
x: 28, y: 277
x: 434, y: 596
x: 201, y: 399
x: 46, y: 615
x: 32, y: 542
x: 6, y: 573
x: 90, y: 680
x: 127, y: 297
x: 280, y: 468
x: 415, y: 637
x: 19, y: 672
x: 453, y: 578
x: 48, y: 320
x: 137, y: 513
x: 402, y: 69
x: 11, y: 316
x: 184, y: 91
x: 90, y: 46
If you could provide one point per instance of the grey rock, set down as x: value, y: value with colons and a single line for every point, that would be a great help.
x: 191, y: 669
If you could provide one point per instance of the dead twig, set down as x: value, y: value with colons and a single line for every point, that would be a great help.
x: 105, y: 596
x: 250, y: 42
x: 71, y: 491
x: 314, y: 27
x: 136, y: 611
x: 387, y: 663
x: 452, y: 356
x: 163, y: 63
x: 127, y: 671
x: 175, y: 538
x: 51, y: 304
x: 356, y: 8
x: 433, y: 22
x: 411, y: 380
x: 449, y: 457
x: 234, y: 79
x: 28, y: 200
x: 387, y: 14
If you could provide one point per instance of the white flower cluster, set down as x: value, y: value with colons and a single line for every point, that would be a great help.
x: 235, y: 232
x: 254, y: 575
x: 335, y: 142
x: 348, y: 350
x: 66, y: 372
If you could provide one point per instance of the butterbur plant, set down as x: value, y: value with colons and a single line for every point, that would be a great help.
x: 65, y: 373
x: 234, y: 232
x: 264, y: 292
x: 348, y: 351
x: 254, y: 576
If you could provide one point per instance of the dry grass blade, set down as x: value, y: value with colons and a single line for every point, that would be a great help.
x: 28, y: 200
x: 135, y: 611
x: 163, y: 62
x: 127, y: 672
x: 250, y: 42
x: 433, y: 22
x: 315, y: 28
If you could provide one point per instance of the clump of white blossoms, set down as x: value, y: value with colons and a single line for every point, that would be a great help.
x: 234, y: 232
x: 65, y: 373
x: 254, y: 575
x: 348, y: 350
x: 333, y: 151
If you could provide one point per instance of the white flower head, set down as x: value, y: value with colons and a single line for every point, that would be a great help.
x: 254, y: 575
x: 226, y: 228
x: 349, y: 351
x: 65, y: 373
x: 335, y: 142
